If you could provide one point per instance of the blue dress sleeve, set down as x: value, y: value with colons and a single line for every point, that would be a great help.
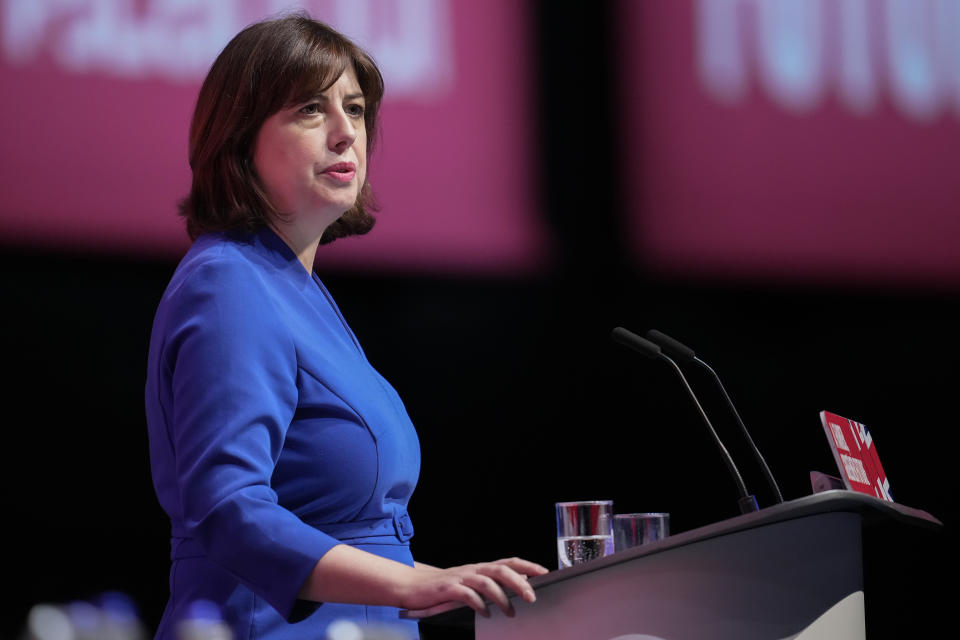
x: 232, y: 373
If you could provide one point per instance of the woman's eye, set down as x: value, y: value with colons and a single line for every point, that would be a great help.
x: 311, y: 109
x: 355, y: 110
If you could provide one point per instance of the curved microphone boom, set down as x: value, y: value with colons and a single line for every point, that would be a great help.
x: 747, y: 502
x: 685, y: 354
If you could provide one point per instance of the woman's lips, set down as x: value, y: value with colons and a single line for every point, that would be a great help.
x: 342, y: 171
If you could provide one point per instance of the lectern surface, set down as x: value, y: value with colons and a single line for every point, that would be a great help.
x: 768, y: 574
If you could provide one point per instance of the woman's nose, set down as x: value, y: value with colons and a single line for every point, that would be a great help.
x: 341, y: 132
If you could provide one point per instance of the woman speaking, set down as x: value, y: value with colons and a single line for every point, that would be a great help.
x: 283, y: 459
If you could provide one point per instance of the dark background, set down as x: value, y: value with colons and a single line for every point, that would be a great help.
x: 520, y: 397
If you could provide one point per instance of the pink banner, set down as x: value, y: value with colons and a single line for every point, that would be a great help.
x: 98, y: 96
x: 810, y: 141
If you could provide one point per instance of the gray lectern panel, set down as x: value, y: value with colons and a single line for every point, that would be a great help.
x: 769, y: 582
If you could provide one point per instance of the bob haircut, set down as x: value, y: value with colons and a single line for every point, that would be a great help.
x: 269, y: 66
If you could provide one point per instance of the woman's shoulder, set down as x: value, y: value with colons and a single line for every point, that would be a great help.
x: 219, y: 250
x: 218, y: 276
x: 227, y: 261
x: 222, y: 295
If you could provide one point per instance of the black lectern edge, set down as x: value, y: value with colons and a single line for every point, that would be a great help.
x: 871, y: 509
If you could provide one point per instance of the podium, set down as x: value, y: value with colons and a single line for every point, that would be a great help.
x: 793, y: 570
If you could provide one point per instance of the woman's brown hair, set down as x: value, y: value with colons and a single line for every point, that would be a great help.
x: 268, y: 66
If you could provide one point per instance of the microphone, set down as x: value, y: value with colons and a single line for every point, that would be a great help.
x: 747, y: 503
x: 684, y: 353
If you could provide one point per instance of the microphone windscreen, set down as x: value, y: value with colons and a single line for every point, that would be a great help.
x: 674, y: 347
x: 635, y: 342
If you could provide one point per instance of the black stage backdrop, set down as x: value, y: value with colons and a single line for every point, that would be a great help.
x: 519, y: 395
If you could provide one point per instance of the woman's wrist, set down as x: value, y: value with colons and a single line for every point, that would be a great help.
x: 349, y: 575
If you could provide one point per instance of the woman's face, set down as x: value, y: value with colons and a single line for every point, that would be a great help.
x: 312, y: 157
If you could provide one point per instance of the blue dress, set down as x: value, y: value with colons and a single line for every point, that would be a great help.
x: 272, y: 439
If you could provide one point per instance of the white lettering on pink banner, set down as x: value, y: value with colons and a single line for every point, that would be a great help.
x: 804, y: 49
x: 178, y: 39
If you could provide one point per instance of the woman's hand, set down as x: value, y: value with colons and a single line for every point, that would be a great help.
x: 348, y: 574
x: 433, y: 590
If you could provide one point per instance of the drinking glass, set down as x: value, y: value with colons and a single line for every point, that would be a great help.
x: 584, y: 531
x: 634, y: 529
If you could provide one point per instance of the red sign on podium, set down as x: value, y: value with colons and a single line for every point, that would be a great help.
x: 856, y: 456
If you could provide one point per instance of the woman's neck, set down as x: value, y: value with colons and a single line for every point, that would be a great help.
x: 303, y: 245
